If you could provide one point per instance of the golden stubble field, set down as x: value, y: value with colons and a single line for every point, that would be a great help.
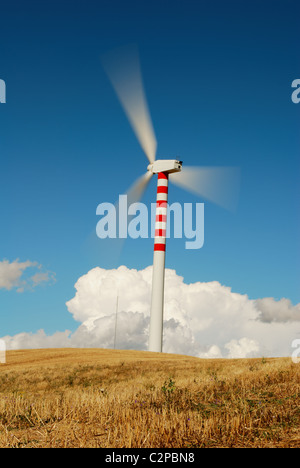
x: 110, y: 398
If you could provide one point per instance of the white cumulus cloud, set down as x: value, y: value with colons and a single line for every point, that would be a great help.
x: 12, y: 275
x: 207, y: 320
x: 278, y: 311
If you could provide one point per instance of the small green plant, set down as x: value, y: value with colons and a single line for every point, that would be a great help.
x: 168, y: 387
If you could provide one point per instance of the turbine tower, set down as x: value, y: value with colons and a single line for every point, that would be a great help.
x: 163, y: 169
x: 216, y: 184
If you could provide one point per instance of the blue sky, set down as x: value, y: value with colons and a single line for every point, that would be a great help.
x: 218, y: 80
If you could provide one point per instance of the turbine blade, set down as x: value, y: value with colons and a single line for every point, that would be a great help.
x: 122, y: 67
x: 137, y: 189
x: 134, y: 194
x: 217, y: 184
x: 110, y: 249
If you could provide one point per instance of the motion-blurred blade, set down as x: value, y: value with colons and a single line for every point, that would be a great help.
x: 134, y: 195
x: 217, y: 184
x: 109, y: 249
x: 123, y: 69
x: 137, y: 189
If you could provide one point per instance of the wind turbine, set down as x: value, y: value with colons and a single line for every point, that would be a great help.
x: 216, y: 184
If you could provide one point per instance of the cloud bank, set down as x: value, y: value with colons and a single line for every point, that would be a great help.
x: 14, y: 275
x: 207, y: 320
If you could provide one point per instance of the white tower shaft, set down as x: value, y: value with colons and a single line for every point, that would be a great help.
x: 158, y: 278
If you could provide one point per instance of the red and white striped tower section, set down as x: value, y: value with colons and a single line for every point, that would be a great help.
x: 158, y: 278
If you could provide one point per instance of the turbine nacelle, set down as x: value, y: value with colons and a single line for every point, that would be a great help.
x: 165, y: 165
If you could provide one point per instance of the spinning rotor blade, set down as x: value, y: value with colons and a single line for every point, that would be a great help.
x: 217, y: 184
x: 111, y: 248
x: 134, y: 194
x: 137, y: 189
x: 123, y: 69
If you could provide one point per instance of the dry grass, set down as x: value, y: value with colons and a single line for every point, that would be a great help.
x: 105, y: 398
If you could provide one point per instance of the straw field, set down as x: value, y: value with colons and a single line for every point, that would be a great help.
x: 59, y: 398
